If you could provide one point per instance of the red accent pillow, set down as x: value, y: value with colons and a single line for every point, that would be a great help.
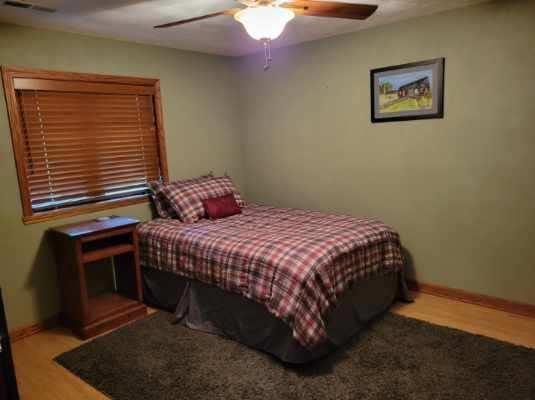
x: 221, y: 207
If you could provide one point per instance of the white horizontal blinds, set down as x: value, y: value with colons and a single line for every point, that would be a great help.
x: 87, y: 147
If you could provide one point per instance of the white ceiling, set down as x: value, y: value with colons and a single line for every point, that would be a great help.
x: 132, y: 20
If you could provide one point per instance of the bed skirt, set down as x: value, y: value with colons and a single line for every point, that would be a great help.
x: 210, y: 309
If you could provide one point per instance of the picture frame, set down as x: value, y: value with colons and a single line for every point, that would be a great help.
x: 406, y: 92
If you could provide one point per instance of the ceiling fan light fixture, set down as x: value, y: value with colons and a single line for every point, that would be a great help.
x: 264, y: 22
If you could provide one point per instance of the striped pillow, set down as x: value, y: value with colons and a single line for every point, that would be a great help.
x: 162, y: 206
x: 186, y: 200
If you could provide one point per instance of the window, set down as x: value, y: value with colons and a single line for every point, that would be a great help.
x: 83, y: 142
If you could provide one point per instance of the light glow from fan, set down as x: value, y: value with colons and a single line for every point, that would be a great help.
x: 264, y: 22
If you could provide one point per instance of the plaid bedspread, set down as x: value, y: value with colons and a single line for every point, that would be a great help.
x: 295, y: 262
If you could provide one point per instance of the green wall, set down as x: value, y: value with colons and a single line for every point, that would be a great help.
x: 460, y: 190
x: 200, y: 113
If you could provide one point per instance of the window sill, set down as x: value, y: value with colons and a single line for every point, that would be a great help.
x: 84, y: 209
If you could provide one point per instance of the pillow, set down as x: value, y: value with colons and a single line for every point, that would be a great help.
x: 221, y: 207
x: 163, y: 208
x: 187, y: 200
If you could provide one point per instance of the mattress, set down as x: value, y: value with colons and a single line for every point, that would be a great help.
x: 297, y: 264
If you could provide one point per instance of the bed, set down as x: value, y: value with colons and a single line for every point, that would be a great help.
x: 294, y: 283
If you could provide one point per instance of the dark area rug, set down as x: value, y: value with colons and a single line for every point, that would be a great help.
x: 396, y: 358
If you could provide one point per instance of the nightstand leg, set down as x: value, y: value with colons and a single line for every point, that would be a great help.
x: 114, y: 273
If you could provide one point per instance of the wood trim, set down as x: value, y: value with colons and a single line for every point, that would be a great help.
x: 11, y: 75
x: 29, y: 330
x: 523, y: 309
x: 16, y: 134
x: 496, y: 303
x: 84, y: 209
x: 80, y: 87
x: 162, y: 152
x: 22, y: 72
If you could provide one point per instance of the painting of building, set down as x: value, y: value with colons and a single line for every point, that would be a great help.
x: 408, y: 91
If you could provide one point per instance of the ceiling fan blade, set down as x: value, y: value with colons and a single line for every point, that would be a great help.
x: 230, y: 11
x: 332, y: 9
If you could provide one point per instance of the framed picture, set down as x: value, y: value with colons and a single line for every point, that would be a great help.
x: 408, y: 91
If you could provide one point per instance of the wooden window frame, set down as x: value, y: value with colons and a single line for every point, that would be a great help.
x: 16, y: 78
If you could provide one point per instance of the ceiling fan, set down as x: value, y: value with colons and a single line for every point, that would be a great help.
x: 265, y: 19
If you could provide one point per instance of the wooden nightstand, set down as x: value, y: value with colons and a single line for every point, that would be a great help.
x: 78, y: 245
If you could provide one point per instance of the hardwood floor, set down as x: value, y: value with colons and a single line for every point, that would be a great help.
x: 472, y: 318
x: 40, y: 378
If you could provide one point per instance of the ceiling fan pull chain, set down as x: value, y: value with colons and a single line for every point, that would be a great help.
x: 267, y: 53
